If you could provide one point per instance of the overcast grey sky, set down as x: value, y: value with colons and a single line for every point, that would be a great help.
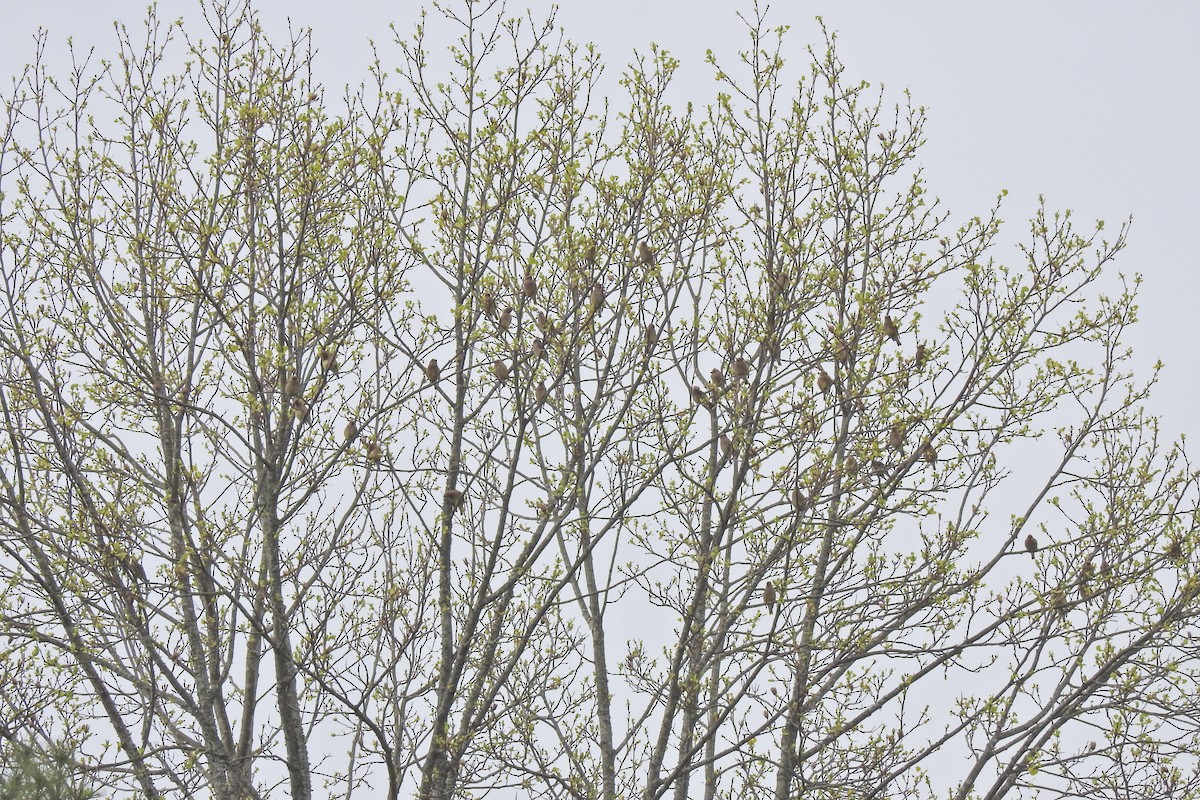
x: 1092, y: 104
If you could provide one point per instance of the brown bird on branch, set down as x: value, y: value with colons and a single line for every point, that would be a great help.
x: 700, y: 396
x: 726, y: 445
x: 718, y: 377
x: 528, y: 286
x: 841, y: 351
x: 769, y: 596
x: 500, y: 370
x: 505, y: 318
x: 540, y: 392
x: 596, y: 298
x: 889, y: 328
x: 374, y: 451
x: 1031, y: 545
x: 740, y: 368
x: 824, y: 381
x: 432, y: 371
x: 651, y: 336
x: 895, y: 438
x: 645, y: 254
x: 929, y: 453
x: 351, y: 431
x: 538, y: 349
x: 453, y: 498
x: 922, y: 355
x: 589, y: 255
x: 328, y: 356
x: 799, y: 501
x: 489, y: 304
x: 291, y: 386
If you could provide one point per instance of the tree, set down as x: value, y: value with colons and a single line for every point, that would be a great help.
x: 32, y: 775
x: 475, y: 440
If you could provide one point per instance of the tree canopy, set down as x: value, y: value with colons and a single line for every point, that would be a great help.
x: 478, y: 433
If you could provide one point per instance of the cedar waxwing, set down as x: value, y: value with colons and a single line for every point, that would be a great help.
x: 651, y: 336
x: 528, y: 287
x: 328, y: 356
x: 596, y: 298
x: 718, y: 377
x: 645, y: 255
x: 895, y: 438
x: 432, y: 371
x: 769, y: 596
x: 590, y: 254
x: 500, y: 370
x: 489, y: 304
x: 292, y: 385
x: 850, y: 464
x: 921, y: 356
x: 351, y: 430
x: 824, y: 382
x: 879, y: 467
x: 889, y: 328
x: 779, y: 282
x: 1085, y: 573
x: 453, y: 497
x: 841, y: 352
x: 1031, y: 545
x: 740, y: 368
x: 929, y: 453
x: 374, y: 451
x: 543, y: 323
x: 799, y: 501
x: 300, y: 409
x: 539, y: 349
x: 700, y: 396
x: 505, y: 318
x: 726, y: 445
x: 540, y: 392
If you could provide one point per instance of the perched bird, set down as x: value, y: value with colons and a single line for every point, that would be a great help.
x: 645, y: 255
x: 880, y: 468
x: 929, y: 453
x: 328, y: 357
x: 538, y: 349
x: 528, y: 287
x: 596, y: 298
x: 299, y: 409
x: 726, y: 445
x: 432, y: 371
x: 740, y: 368
x: 799, y: 501
x: 1086, y: 572
x: 489, y: 304
x: 922, y: 355
x: 500, y: 370
x: 544, y: 323
x: 779, y: 282
x: 505, y: 318
x: 718, y: 377
x: 841, y: 351
x: 1175, y: 551
x: 769, y: 596
x: 589, y: 255
x: 824, y: 382
x: 850, y: 464
x: 351, y: 430
x: 540, y: 392
x: 1031, y: 545
x: 374, y: 451
x: 700, y: 396
x: 895, y: 438
x: 889, y: 328
x: 453, y: 498
x: 651, y: 336
x: 292, y: 385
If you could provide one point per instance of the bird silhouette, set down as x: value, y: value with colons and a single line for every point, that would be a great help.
x: 590, y: 254
x: 889, y: 328
x: 453, y: 498
x: 538, y: 349
x: 718, y: 377
x: 1031, y: 545
x: 895, y: 438
x: 374, y: 451
x: 824, y: 382
x: 432, y: 371
x: 700, y: 396
x: 500, y: 370
x: 291, y: 386
x: 841, y: 351
x: 540, y: 392
x: 921, y: 356
x: 740, y: 368
x: 489, y: 304
x: 1175, y: 550
x: 596, y: 298
x: 328, y: 357
x: 505, y: 318
x: 645, y: 254
x: 351, y: 430
x: 799, y: 501
x: 651, y: 336
x: 850, y: 465
x: 769, y: 596
x: 528, y: 286
x: 726, y: 445
x: 929, y: 453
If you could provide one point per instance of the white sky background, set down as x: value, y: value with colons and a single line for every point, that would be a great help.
x: 1092, y: 104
